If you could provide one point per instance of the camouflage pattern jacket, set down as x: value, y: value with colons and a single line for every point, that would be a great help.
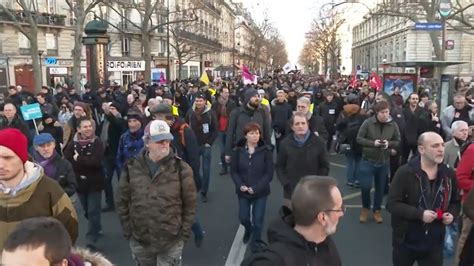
x: 157, y: 210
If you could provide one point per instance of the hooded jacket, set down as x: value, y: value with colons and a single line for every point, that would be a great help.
x: 281, y: 113
x: 289, y: 248
x: 255, y: 171
x: 204, y: 125
x: 36, y: 196
x: 371, y: 130
x: 410, y: 194
x: 130, y: 144
x: 80, y: 257
x: 158, y: 209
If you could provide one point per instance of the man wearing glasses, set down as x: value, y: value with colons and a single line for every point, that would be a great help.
x: 302, y: 236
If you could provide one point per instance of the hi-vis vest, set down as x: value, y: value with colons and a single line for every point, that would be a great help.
x: 175, y: 110
x: 311, y: 108
x: 213, y: 91
x: 265, y: 102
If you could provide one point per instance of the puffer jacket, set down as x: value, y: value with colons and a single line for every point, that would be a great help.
x: 255, y: 171
x: 156, y: 211
x: 130, y: 145
x: 372, y: 130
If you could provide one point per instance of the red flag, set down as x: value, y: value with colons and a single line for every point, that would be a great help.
x: 354, y: 80
x: 375, y: 81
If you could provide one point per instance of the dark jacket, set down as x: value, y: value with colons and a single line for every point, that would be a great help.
x: 316, y: 124
x: 406, y: 203
x: 130, y: 144
x: 115, y: 130
x: 429, y: 125
x: 241, y: 117
x: 294, y: 162
x: 349, y: 124
x: 415, y: 128
x: 64, y: 173
x: 158, y: 209
x: 204, y: 125
x: 329, y: 111
x: 372, y: 130
x: 88, y: 167
x: 281, y: 113
x: 255, y: 170
x: 56, y: 132
x: 186, y: 147
x: 289, y: 248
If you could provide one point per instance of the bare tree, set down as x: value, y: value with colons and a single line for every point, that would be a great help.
x: 80, y: 9
x: 147, y: 9
x: 27, y: 24
x: 427, y: 11
x: 185, y: 51
x: 259, y: 40
x: 276, y: 51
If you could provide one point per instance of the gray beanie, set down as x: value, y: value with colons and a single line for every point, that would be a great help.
x: 249, y: 93
x: 161, y: 108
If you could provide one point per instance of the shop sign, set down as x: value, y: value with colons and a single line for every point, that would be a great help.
x: 126, y: 65
x: 58, y: 70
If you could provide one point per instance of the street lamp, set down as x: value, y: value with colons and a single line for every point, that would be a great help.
x: 40, y: 54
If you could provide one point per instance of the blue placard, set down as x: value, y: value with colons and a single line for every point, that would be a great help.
x: 428, y: 26
x: 50, y: 61
x: 31, y: 111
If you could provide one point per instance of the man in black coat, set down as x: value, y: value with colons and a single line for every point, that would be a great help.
x: 302, y: 235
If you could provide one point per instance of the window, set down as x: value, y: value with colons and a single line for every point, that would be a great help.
x: 163, y: 47
x: 51, y: 44
x: 125, y: 46
x: 50, y: 6
x: 24, y: 44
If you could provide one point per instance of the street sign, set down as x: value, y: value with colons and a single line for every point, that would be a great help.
x: 31, y: 111
x: 428, y: 26
x: 445, y: 8
x: 449, y: 44
x: 50, y: 61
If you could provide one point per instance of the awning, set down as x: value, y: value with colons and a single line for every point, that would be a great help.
x: 424, y: 63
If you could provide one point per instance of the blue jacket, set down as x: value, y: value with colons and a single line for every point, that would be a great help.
x: 255, y: 171
x: 130, y: 144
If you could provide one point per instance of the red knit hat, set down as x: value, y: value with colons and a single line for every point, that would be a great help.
x: 13, y: 139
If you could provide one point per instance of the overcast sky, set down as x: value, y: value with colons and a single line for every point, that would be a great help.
x: 292, y: 18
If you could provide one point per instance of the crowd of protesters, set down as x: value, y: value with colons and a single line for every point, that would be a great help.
x: 157, y: 141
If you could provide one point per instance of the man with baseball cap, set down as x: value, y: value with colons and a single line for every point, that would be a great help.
x: 53, y: 164
x: 155, y: 180
x: 25, y: 191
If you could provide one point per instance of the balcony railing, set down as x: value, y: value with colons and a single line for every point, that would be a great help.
x: 212, y: 7
x: 40, y: 18
x: 199, y: 39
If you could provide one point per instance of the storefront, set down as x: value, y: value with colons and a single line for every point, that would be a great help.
x: 125, y: 72
x: 59, y: 72
x: 189, y: 70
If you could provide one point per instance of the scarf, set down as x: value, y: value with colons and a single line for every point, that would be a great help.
x: 47, y: 164
x: 82, y: 140
x: 300, y: 142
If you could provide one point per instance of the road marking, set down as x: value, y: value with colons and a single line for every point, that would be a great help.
x: 338, y: 165
x: 237, y: 251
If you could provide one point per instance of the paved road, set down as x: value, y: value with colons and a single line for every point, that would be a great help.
x: 358, y: 244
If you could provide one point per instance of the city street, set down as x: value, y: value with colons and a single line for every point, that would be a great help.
x: 358, y: 244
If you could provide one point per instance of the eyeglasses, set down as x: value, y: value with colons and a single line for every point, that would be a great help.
x: 342, y: 209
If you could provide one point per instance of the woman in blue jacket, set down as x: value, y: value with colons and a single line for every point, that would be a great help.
x: 252, y: 172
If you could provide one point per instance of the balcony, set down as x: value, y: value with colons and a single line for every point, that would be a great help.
x: 199, y: 39
x: 211, y: 7
x: 43, y: 19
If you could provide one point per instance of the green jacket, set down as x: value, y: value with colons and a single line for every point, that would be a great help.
x: 372, y: 130
x: 157, y: 210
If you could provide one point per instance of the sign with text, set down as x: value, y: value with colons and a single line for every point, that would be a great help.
x: 126, y: 65
x: 50, y: 61
x: 31, y: 111
x: 428, y: 26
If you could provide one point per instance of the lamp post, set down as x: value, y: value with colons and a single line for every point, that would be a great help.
x: 444, y: 9
x: 40, y: 54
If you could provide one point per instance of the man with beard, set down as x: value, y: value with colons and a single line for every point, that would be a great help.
x: 302, y: 235
x: 460, y: 110
x: 222, y: 108
x: 204, y: 124
x: 281, y: 112
x: 160, y: 180
x: 452, y: 154
x: 423, y: 199
x: 250, y: 111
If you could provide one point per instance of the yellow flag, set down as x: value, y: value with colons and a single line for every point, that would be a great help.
x: 204, y: 78
x: 213, y: 91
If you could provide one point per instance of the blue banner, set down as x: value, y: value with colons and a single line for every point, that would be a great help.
x: 428, y: 26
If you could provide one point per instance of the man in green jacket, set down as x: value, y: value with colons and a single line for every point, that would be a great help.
x: 377, y: 136
x: 156, y: 201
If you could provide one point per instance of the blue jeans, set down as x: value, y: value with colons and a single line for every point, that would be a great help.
x: 110, y: 167
x: 91, y: 204
x: 352, y: 169
x: 258, y: 206
x: 205, y: 153
x: 376, y: 172
x: 221, y: 140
